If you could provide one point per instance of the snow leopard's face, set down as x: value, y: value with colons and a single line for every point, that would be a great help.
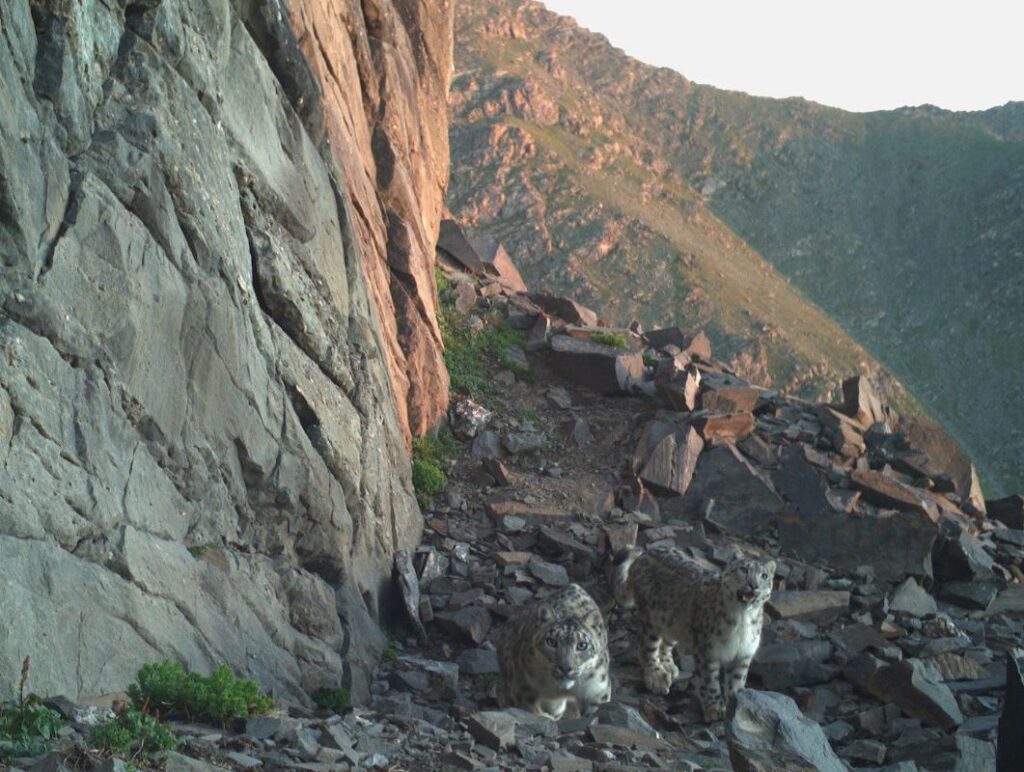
x: 749, y: 581
x: 570, y: 647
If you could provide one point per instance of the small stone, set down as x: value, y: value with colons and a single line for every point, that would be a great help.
x: 550, y: 573
x: 478, y: 661
x: 471, y: 624
x: 243, y: 760
x: 494, y: 728
x: 523, y: 442
x: 625, y: 738
x: 617, y: 714
x: 797, y: 663
x: 486, y: 445
x: 910, y: 598
x: 559, y: 397
x: 870, y: 751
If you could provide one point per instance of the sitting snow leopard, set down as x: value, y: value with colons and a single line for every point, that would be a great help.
x: 716, y: 617
x: 553, y: 652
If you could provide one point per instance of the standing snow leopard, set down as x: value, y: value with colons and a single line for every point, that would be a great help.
x: 553, y: 652
x: 717, y: 617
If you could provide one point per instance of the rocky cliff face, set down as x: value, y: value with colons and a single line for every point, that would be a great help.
x: 217, y: 330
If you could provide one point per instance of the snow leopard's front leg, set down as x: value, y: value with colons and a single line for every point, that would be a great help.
x: 735, y: 677
x: 709, y: 691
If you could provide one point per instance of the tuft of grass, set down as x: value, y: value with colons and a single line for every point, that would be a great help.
x: 428, y: 454
x: 333, y: 700
x: 27, y: 727
x: 616, y: 339
x: 440, y: 280
x: 133, y: 732
x: 216, y: 698
x: 471, y: 356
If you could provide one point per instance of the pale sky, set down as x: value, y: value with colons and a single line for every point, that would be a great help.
x: 862, y: 55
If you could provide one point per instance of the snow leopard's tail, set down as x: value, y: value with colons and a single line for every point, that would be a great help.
x: 622, y: 589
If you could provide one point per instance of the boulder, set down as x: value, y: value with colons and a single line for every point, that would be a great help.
x: 933, y: 453
x: 730, y: 399
x: 894, y: 544
x: 918, y: 691
x: 793, y: 663
x: 569, y: 311
x: 959, y: 556
x: 676, y: 385
x: 731, y: 427
x: 666, y: 456
x: 453, y: 242
x: 605, y: 369
x: 845, y: 433
x: 1009, y: 511
x: 496, y: 262
x: 883, y: 491
x: 860, y: 401
x: 767, y: 731
x: 494, y: 728
x: 743, y: 502
x: 800, y: 484
x: 688, y: 343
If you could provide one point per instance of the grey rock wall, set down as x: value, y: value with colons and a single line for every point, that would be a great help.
x: 199, y: 450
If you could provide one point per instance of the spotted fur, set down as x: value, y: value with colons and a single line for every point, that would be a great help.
x: 553, y: 653
x: 715, y: 616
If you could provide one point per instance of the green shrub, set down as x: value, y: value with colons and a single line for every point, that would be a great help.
x: 472, y: 356
x: 164, y: 686
x: 134, y: 732
x: 616, y: 339
x: 427, y: 479
x: 27, y: 728
x: 440, y: 280
x: 334, y: 700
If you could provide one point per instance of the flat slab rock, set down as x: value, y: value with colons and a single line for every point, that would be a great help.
x: 821, y: 606
x: 604, y: 369
x: 911, y: 685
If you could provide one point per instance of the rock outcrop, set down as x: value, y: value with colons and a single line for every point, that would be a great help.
x: 218, y: 331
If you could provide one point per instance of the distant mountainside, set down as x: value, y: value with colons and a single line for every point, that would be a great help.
x: 788, y: 229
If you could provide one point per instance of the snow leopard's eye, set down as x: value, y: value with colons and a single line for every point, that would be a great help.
x: 551, y: 641
x: 764, y: 574
x: 583, y: 645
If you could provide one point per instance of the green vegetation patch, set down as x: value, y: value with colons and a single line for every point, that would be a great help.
x: 27, y: 728
x: 162, y: 687
x: 333, y: 700
x: 616, y: 339
x: 473, y: 356
x: 428, y: 456
x: 133, y: 733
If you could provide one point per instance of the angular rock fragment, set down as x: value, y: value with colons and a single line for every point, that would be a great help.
x: 730, y: 399
x: 689, y: 343
x: 496, y: 262
x: 860, y: 401
x: 1008, y: 511
x: 910, y: 598
x: 934, y: 454
x: 677, y: 385
x: 471, y: 623
x: 895, y: 544
x: 565, y: 309
x: 731, y: 427
x: 913, y: 686
x: 494, y: 728
x: 883, y: 491
x: 743, y: 502
x: 973, y: 595
x: 465, y: 297
x: 666, y: 456
x: 819, y: 606
x: 845, y: 434
x: 959, y: 556
x: 800, y: 484
x: 605, y: 369
x: 767, y: 731
x: 795, y: 663
x: 549, y: 573
x: 535, y: 513
x: 453, y: 242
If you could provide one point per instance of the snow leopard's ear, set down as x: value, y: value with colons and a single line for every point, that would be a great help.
x: 770, y: 567
x: 545, y: 613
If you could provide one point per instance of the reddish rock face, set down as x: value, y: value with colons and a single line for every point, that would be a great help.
x: 383, y: 69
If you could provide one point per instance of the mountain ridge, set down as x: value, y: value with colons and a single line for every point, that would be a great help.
x: 825, y: 196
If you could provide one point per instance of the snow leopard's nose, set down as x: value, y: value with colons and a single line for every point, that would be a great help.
x: 564, y: 671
